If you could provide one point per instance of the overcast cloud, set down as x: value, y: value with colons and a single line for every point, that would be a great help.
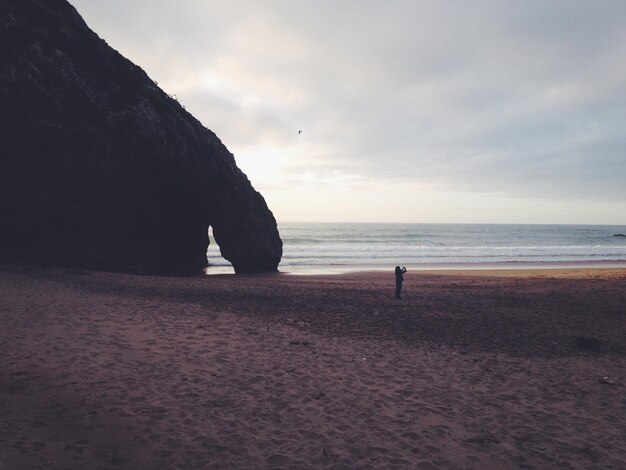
x: 521, y: 99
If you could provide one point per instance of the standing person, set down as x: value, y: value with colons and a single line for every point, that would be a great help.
x: 399, y: 279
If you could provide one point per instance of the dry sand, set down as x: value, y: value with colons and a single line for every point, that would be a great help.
x: 469, y: 370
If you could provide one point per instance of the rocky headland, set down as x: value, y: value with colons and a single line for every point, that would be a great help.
x: 101, y: 169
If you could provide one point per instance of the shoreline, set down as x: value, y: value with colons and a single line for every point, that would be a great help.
x: 607, y: 269
x: 524, y: 268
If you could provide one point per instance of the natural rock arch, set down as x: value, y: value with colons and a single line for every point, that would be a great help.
x: 99, y: 168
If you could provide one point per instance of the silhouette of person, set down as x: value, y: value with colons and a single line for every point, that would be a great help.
x: 399, y: 278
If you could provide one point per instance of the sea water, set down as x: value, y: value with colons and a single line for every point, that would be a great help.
x: 342, y: 247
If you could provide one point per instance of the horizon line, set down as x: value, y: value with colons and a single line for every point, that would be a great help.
x: 448, y: 223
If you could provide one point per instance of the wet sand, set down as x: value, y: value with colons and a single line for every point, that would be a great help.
x: 469, y: 370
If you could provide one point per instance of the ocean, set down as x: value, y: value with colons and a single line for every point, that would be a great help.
x: 318, y: 248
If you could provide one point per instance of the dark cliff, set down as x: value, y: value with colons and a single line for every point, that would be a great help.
x: 99, y: 168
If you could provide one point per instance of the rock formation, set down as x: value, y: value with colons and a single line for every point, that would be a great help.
x: 101, y: 169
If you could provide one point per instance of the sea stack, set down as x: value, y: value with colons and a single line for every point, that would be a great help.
x: 101, y: 169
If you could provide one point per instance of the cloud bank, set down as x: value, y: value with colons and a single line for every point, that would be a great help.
x: 514, y: 99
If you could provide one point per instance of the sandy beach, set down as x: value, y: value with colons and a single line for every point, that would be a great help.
x: 469, y: 370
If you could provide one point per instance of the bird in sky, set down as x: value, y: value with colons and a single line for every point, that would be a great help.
x: 299, y: 132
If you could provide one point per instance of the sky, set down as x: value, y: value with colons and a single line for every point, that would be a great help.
x: 410, y: 111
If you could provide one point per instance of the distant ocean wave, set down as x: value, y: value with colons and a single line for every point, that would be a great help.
x: 381, y: 245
